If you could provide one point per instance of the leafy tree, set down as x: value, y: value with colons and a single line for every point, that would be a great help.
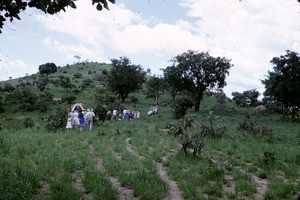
x: 77, y: 75
x: 283, y: 83
x: 7, y: 87
x: 248, y: 97
x: 154, y: 85
x: 10, y: 9
x: 42, y: 82
x: 47, y: 68
x: 65, y: 82
x: 125, y: 78
x: 181, y: 106
x: 196, y: 72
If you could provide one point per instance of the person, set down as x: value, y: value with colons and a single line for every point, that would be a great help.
x: 89, y: 117
x: 81, y: 120
x: 74, y: 119
x: 115, y: 114
x: 69, y: 124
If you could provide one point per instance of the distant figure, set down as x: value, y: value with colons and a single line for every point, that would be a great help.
x: 81, y: 120
x: 89, y: 117
x: 69, y: 124
x: 115, y: 115
x: 74, y: 119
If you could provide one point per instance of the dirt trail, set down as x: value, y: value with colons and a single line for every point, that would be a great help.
x: 174, y: 193
x: 124, y: 193
x: 261, y: 184
x: 130, y: 149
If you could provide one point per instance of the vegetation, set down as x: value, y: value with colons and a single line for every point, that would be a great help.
x: 197, y: 72
x: 11, y: 9
x: 237, y: 155
x: 283, y: 84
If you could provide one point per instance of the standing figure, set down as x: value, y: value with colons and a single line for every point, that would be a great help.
x: 81, y: 120
x: 69, y: 124
x: 115, y: 114
x: 89, y: 117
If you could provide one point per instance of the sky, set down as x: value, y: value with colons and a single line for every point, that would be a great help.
x: 152, y: 32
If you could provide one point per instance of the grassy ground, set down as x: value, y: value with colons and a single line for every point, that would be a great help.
x: 126, y: 160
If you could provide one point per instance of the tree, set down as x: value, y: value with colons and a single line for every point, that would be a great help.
x: 125, y: 78
x: 248, y: 97
x: 42, y: 82
x: 10, y: 9
x: 283, y: 84
x: 196, y: 72
x: 47, y: 68
x: 154, y: 85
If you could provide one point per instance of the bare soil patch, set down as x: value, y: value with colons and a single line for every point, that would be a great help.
x: 174, y: 193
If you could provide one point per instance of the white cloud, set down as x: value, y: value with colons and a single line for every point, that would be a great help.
x: 14, y: 69
x: 250, y: 33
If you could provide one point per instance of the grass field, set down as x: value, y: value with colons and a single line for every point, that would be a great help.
x: 140, y: 159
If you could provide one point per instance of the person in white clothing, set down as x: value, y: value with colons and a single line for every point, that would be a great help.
x: 89, y: 118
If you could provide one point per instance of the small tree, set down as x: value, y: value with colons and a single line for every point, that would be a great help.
x: 125, y: 78
x: 248, y: 97
x: 196, y: 72
x: 283, y: 83
x: 47, y: 68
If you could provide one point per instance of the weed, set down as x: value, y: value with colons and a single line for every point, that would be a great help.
x: 269, y: 157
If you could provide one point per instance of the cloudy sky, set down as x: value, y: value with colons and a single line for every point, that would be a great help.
x: 151, y: 32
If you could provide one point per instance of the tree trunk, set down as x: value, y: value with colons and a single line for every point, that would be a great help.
x: 198, y: 101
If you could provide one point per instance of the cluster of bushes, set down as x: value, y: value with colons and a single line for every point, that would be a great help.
x: 255, y: 129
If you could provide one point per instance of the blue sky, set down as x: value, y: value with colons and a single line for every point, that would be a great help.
x: 151, y: 32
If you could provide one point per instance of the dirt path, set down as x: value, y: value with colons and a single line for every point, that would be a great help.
x: 261, y: 184
x: 174, y: 193
x: 124, y: 193
x: 130, y: 149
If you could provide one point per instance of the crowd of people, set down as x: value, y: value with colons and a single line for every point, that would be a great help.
x: 81, y: 119
x: 125, y: 115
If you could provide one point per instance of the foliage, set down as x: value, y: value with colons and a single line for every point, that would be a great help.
x: 57, y: 121
x: 248, y: 97
x: 125, y: 78
x: 44, y: 101
x: 26, y: 97
x: 12, y: 8
x: 47, y: 68
x: 180, y: 129
x: 254, y: 129
x: 65, y: 82
x: 269, y: 157
x: 7, y: 87
x: 77, y: 75
x: 180, y: 107
x: 154, y: 85
x: 215, y: 128
x: 42, y: 82
x: 283, y: 83
x: 69, y: 99
x: 196, y: 72
x: 28, y: 122
x: 86, y: 83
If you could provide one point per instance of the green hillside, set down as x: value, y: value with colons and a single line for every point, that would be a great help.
x: 243, y: 156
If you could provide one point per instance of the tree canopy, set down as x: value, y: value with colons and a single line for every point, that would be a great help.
x: 125, y: 78
x: 47, y: 68
x: 10, y: 9
x: 196, y: 72
x: 248, y: 97
x: 283, y: 83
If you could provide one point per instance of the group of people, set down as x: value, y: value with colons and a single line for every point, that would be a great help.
x: 81, y: 119
x: 125, y: 115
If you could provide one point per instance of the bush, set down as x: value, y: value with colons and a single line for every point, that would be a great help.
x: 57, y: 121
x: 77, y: 75
x: 69, y: 99
x: 28, y: 122
x: 180, y: 107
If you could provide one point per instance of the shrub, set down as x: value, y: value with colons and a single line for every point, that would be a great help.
x: 180, y: 107
x: 77, y: 75
x: 255, y: 130
x: 57, y: 121
x: 269, y: 157
x: 69, y: 99
x: 28, y: 122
